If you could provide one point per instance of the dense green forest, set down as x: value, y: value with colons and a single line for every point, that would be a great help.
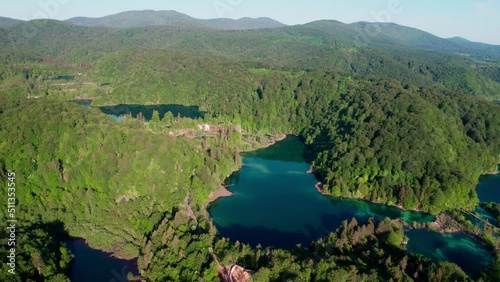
x: 378, y: 134
x: 108, y: 182
x: 408, y: 127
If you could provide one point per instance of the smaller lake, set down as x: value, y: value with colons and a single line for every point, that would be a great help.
x: 146, y: 111
x: 96, y: 266
x: 457, y: 248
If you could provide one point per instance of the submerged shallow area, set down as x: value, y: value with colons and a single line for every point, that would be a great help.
x: 458, y: 248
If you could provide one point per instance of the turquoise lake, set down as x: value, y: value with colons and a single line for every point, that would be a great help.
x: 275, y: 204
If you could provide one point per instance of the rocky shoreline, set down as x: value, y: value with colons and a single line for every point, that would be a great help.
x: 221, y: 193
x: 446, y: 224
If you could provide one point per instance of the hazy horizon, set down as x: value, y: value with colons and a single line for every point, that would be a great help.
x: 475, y: 20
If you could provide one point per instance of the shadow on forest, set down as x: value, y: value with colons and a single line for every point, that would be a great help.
x: 95, y: 265
x: 88, y: 264
x: 267, y: 237
x: 54, y: 228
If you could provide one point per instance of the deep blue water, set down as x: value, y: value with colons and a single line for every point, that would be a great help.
x: 488, y: 188
x: 96, y: 266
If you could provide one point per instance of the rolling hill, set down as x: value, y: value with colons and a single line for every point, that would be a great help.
x: 8, y: 22
x: 393, y: 36
x: 375, y: 50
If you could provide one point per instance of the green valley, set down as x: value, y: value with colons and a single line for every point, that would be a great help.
x: 391, y: 115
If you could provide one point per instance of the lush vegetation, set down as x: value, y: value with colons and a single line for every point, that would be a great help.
x: 397, y: 127
x: 352, y: 253
x: 350, y: 122
x: 127, y: 175
x: 416, y: 148
x: 321, y: 45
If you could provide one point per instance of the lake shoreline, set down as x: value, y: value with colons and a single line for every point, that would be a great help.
x: 440, y: 224
x: 443, y: 223
x: 319, y: 188
x: 274, y: 140
x: 251, y: 206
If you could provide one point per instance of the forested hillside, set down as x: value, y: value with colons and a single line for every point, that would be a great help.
x: 325, y: 45
x: 417, y: 148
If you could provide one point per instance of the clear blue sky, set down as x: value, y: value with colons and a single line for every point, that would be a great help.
x: 477, y: 20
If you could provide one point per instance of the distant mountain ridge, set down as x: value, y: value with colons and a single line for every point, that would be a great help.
x: 145, y: 18
x: 383, y: 35
x: 393, y: 36
x: 8, y: 22
x: 369, y: 49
